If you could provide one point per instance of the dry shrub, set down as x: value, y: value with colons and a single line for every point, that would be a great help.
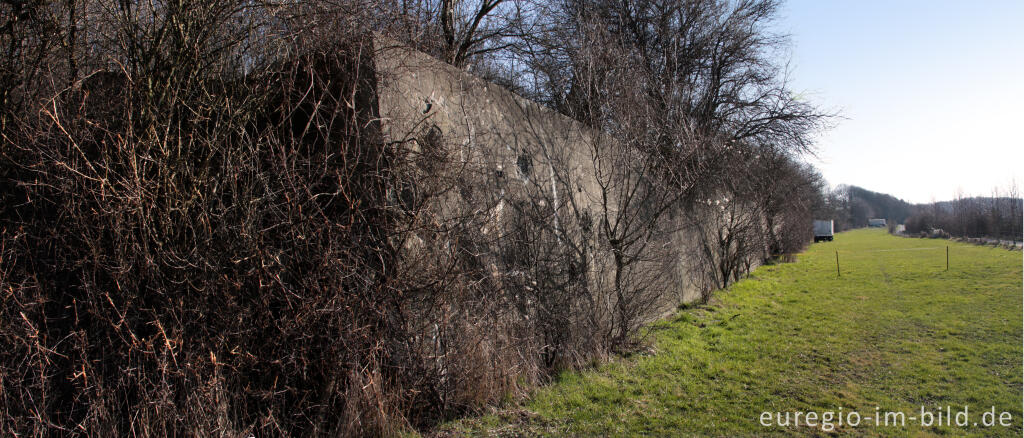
x: 202, y: 232
x: 196, y: 243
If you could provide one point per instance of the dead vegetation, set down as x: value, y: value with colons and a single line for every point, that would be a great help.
x: 203, y: 232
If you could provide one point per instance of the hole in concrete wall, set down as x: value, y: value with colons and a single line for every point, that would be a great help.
x: 432, y: 139
x: 586, y: 222
x: 431, y: 147
x: 466, y: 190
x: 407, y: 197
x: 525, y: 163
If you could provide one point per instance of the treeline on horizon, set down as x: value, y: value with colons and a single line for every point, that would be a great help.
x: 998, y: 216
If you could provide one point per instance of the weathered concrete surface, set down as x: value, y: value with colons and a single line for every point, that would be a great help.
x: 510, y: 149
x: 510, y: 141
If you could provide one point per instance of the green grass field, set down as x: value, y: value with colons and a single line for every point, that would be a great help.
x: 896, y: 331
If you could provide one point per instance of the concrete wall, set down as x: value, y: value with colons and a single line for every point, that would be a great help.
x: 486, y: 128
x: 506, y: 147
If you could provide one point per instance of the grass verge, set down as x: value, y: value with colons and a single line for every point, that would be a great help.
x: 895, y: 331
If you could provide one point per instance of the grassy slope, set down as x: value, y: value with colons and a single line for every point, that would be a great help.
x: 895, y: 331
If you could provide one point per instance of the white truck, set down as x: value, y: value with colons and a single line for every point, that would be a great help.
x: 823, y: 230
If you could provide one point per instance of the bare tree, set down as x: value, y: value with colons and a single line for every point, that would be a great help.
x: 457, y: 31
x: 691, y: 89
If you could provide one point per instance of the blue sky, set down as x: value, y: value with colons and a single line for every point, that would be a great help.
x: 931, y: 92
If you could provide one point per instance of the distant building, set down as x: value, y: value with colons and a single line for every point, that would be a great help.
x: 876, y: 223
